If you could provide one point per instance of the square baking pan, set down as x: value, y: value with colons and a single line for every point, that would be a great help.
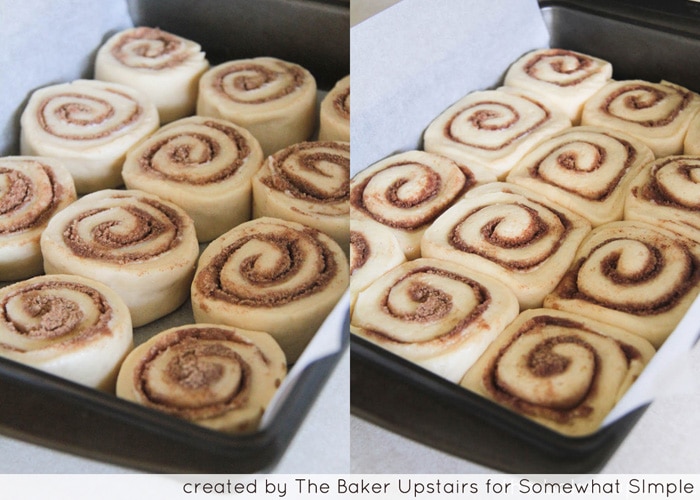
x: 53, y: 412
x: 647, y: 40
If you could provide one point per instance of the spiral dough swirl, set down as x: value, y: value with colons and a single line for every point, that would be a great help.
x: 87, y: 116
x: 275, y: 266
x: 408, y: 190
x: 216, y: 376
x: 563, y: 370
x: 315, y: 171
x: 131, y: 230
x: 561, y: 67
x: 202, y: 153
x: 254, y: 83
x: 150, y: 48
x: 31, y: 193
x: 54, y: 312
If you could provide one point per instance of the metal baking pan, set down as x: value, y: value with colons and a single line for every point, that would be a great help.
x: 649, y: 40
x: 43, y: 409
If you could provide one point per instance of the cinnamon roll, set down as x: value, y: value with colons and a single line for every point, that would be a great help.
x: 493, y: 128
x: 268, y: 274
x: 564, y: 77
x: 308, y: 182
x: 334, y: 118
x: 691, y: 143
x: 407, y: 191
x: 512, y: 234
x: 215, y: 376
x: 144, y: 247
x: 32, y: 190
x: 667, y: 193
x: 88, y: 124
x: 560, y: 369
x: 374, y: 250
x: 163, y: 66
x: 632, y: 275
x: 274, y: 99
x: 70, y: 326
x: 437, y: 314
x: 657, y: 113
x: 204, y: 165
x: 585, y: 169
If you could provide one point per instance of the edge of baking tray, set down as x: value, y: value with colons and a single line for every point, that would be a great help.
x: 450, y: 418
x: 43, y: 409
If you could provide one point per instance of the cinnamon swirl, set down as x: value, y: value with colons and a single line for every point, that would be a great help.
x: 204, y: 165
x: 274, y: 99
x: 585, y: 169
x: 70, y: 326
x: 667, y: 193
x: 88, y: 124
x: 632, y: 275
x: 407, y: 191
x: 374, y: 250
x: 215, y: 376
x: 512, y: 234
x: 163, y: 66
x: 564, y: 77
x: 560, y: 369
x: 334, y: 122
x: 32, y: 190
x: 308, y: 182
x: 493, y: 128
x: 437, y: 314
x: 268, y: 274
x: 144, y: 247
x: 657, y: 113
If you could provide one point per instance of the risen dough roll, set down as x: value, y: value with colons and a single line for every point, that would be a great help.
x: 407, y: 191
x: 308, y: 182
x: 70, y: 326
x: 585, y: 169
x: 435, y: 313
x: 564, y: 77
x: 667, y: 193
x: 162, y: 65
x: 512, y: 234
x: 32, y: 190
x: 632, y: 275
x: 272, y: 275
x: 143, y: 247
x: 374, y: 250
x: 204, y: 165
x: 562, y: 370
x: 215, y: 376
x: 656, y: 113
x: 493, y: 128
x: 691, y: 143
x: 274, y: 99
x: 335, y: 113
x: 88, y: 124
